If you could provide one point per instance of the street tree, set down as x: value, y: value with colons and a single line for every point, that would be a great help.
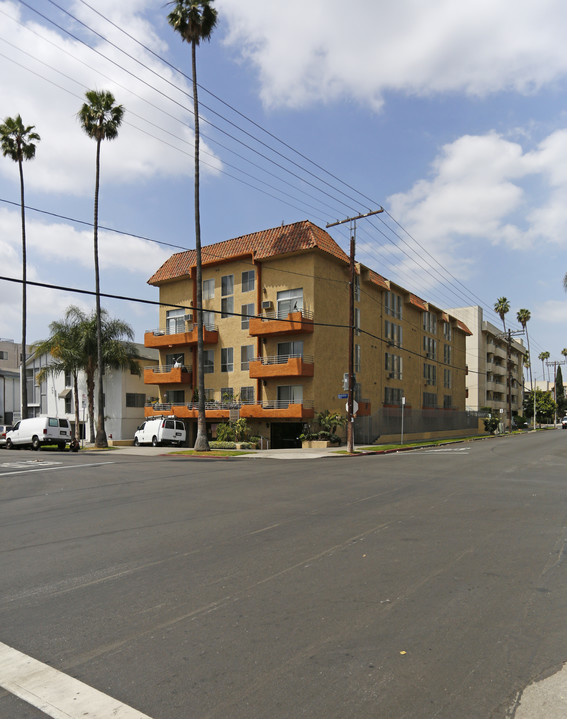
x: 18, y: 143
x: 543, y: 357
x: 545, y: 405
x: 195, y: 20
x: 100, y: 118
x: 502, y: 307
x: 524, y: 317
x: 560, y: 391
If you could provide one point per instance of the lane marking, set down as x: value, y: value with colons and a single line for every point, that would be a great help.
x: 49, y: 469
x: 56, y: 694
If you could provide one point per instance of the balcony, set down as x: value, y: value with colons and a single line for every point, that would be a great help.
x: 275, y: 323
x: 281, y: 366
x: 168, y: 374
x: 161, y: 338
x: 266, y: 410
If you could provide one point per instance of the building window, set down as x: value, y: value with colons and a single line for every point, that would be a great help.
x: 176, y: 396
x: 393, y: 333
x: 227, y: 306
x: 356, y: 321
x: 68, y: 382
x: 208, y: 361
x: 246, y: 354
x: 248, y: 281
x: 227, y: 292
x: 176, y: 359
x: 209, y: 320
x: 3, y: 355
x: 393, y: 305
x: 393, y: 366
x: 430, y: 348
x: 227, y: 394
x: 247, y: 395
x: 357, y: 358
x: 133, y: 399
x: 289, y: 301
x: 430, y: 322
x: 69, y: 403
x: 208, y: 289
x: 430, y: 374
x: 290, y: 349
x: 174, y: 322
x: 447, y: 354
x: 227, y: 363
x: 290, y: 394
x: 447, y: 331
x: 447, y: 401
x: 246, y: 311
x: 393, y: 396
x: 357, y: 288
x: 448, y: 378
x: 429, y: 400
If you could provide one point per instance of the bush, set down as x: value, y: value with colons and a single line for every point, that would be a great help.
x: 225, y: 432
x: 222, y: 445
x: 491, y: 424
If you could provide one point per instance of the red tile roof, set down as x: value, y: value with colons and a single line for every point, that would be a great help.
x: 462, y: 326
x: 261, y: 245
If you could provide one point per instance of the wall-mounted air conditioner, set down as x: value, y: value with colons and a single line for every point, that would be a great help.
x: 267, y: 305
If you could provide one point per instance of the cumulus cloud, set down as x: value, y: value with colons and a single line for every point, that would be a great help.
x: 326, y: 49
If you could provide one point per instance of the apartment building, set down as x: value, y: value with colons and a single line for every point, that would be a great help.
x: 276, y: 316
x: 487, y: 360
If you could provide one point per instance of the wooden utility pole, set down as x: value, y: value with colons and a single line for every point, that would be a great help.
x: 352, y: 272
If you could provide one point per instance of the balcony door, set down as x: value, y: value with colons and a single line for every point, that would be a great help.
x: 175, y: 322
x: 289, y: 301
x: 289, y: 349
x: 290, y: 394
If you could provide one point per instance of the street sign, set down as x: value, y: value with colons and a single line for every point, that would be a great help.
x: 354, y: 406
x: 343, y: 396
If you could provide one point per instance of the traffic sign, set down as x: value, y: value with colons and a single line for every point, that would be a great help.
x: 354, y: 406
x: 343, y: 396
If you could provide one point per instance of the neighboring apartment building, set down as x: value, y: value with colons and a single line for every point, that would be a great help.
x: 9, y: 396
x: 276, y: 315
x: 125, y: 396
x: 10, y: 354
x: 487, y: 351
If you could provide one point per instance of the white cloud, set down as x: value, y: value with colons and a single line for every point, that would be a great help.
x: 307, y: 53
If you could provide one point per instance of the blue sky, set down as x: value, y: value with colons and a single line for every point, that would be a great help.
x: 450, y: 117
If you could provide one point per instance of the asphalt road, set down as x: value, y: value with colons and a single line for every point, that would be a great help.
x: 425, y: 584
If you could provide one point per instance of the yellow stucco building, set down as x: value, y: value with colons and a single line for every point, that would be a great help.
x: 276, y: 316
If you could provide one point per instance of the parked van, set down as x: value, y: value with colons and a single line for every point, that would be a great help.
x: 37, y: 431
x: 160, y: 430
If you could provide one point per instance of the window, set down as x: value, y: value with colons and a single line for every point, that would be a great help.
x: 393, y: 305
x: 227, y: 363
x: 356, y: 321
x: 178, y: 358
x: 289, y: 301
x: 447, y: 354
x: 68, y: 382
x: 69, y: 403
x: 393, y: 366
x: 290, y: 394
x: 430, y: 348
x: 447, y: 401
x: 3, y: 355
x: 227, y: 300
x: 448, y: 378
x: 429, y: 400
x: 248, y: 281
x: 393, y: 333
x: 208, y: 289
x: 247, y: 395
x: 290, y: 349
x: 246, y: 311
x: 133, y: 399
x: 176, y: 396
x: 393, y: 396
x: 209, y: 320
x: 208, y: 361
x: 357, y: 357
x: 227, y: 394
x: 430, y: 322
x: 430, y: 374
x: 357, y: 288
x: 174, y: 321
x: 447, y: 331
x: 227, y: 306
x: 246, y: 354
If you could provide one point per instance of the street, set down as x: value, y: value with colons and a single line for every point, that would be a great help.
x: 423, y: 584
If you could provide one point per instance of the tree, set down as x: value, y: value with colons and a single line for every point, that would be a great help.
x: 524, y: 317
x: 560, y: 391
x: 75, y: 343
x: 100, y: 118
x: 195, y: 20
x: 545, y: 405
x: 502, y: 307
x: 543, y: 356
x: 17, y: 142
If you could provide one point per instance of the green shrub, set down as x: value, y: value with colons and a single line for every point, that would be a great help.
x: 222, y: 445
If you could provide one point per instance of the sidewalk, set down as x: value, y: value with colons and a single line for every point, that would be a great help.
x: 253, y: 454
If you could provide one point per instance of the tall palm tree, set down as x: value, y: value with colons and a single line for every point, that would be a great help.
x: 523, y: 317
x: 17, y: 143
x: 100, y: 118
x: 502, y: 307
x: 543, y: 356
x: 195, y: 20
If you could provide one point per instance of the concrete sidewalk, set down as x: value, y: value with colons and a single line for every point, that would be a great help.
x: 299, y: 453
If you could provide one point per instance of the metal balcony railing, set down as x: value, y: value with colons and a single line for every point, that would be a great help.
x: 179, y: 328
x: 283, y: 359
x: 236, y: 404
x: 283, y: 314
x: 165, y: 368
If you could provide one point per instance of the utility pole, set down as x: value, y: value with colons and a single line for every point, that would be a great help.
x: 508, y: 338
x: 350, y: 413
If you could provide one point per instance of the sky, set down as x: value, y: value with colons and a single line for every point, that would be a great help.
x: 451, y: 117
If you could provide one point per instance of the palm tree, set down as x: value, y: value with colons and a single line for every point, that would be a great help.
x: 195, y: 20
x: 100, y: 118
x: 502, y: 307
x: 17, y: 142
x: 543, y: 356
x: 523, y: 317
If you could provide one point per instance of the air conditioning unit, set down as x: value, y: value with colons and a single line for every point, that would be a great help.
x: 267, y: 305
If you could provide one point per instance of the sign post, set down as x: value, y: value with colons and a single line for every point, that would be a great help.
x: 403, y: 405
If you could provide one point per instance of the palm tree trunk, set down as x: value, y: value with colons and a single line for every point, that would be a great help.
x: 23, y: 374
x: 90, y: 396
x: 201, y: 442
x: 77, y: 415
x: 100, y: 440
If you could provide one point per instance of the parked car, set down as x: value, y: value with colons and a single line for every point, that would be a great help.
x: 3, y: 429
x: 37, y: 431
x: 564, y: 422
x: 161, y: 430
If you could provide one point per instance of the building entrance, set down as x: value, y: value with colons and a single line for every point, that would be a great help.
x: 285, y: 435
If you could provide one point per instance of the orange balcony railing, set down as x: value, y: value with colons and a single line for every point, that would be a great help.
x: 168, y: 374
x: 281, y: 366
x: 273, y: 323
x: 267, y: 409
x: 161, y: 338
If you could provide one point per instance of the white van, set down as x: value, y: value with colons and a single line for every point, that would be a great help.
x: 160, y: 430
x: 37, y: 431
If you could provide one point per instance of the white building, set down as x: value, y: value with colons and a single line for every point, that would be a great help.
x: 9, y: 396
x: 125, y: 396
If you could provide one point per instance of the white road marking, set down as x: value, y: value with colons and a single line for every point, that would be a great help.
x: 56, y: 694
x: 446, y: 450
x: 29, y: 463
x: 48, y: 469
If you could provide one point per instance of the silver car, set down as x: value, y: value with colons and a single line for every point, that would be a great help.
x: 3, y: 429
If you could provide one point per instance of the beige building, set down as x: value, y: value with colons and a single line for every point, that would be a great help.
x: 276, y: 306
x: 487, y: 361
